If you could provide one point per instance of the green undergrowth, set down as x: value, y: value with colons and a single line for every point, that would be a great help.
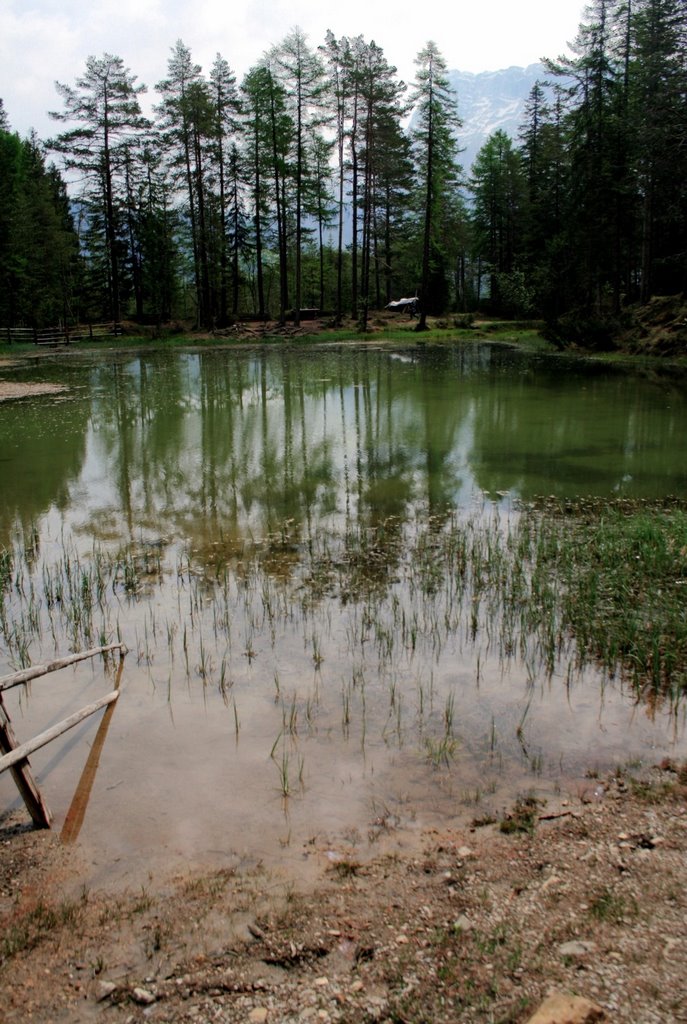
x: 444, y: 332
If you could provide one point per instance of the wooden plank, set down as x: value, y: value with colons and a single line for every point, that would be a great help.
x: 21, y: 752
x: 27, y: 674
x: 77, y: 809
x: 23, y: 776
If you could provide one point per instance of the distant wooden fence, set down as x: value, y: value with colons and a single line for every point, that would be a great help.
x: 59, y: 335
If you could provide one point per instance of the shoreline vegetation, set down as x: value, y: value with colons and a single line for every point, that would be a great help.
x: 657, y: 330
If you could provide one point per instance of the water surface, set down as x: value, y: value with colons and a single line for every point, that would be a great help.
x: 282, y: 698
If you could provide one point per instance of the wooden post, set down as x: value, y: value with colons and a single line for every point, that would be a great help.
x: 15, y: 756
x: 77, y: 809
x: 22, y: 775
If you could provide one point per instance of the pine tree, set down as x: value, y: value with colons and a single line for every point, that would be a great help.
x: 256, y: 140
x: 658, y: 104
x: 380, y: 106
x: 226, y: 107
x: 597, y: 225
x: 105, y: 107
x: 337, y: 56
x: 186, y: 125
x: 300, y: 72
x: 435, y: 151
x: 544, y: 252
x: 38, y: 244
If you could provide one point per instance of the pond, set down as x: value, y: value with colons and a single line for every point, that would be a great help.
x: 287, y: 542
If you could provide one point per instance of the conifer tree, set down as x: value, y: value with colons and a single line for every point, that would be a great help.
x: 186, y: 126
x: 38, y: 245
x: 300, y: 73
x: 658, y: 103
x: 104, y: 106
x: 226, y: 107
x: 435, y: 151
x: 497, y: 185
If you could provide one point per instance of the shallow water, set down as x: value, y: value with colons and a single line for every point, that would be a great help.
x: 295, y: 684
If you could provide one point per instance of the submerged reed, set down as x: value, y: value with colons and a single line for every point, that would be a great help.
x: 553, y: 589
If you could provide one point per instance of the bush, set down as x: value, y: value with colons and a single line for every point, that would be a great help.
x: 584, y: 328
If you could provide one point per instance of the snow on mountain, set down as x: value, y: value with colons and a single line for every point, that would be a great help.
x: 490, y: 100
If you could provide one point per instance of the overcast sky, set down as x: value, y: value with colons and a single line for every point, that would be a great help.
x: 42, y: 41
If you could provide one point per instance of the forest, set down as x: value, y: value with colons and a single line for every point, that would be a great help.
x: 322, y: 182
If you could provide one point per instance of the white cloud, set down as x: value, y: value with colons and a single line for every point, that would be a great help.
x: 45, y: 40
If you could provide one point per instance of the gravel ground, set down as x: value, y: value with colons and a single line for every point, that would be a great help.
x: 473, y: 924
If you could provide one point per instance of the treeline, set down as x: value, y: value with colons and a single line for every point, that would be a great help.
x: 300, y: 188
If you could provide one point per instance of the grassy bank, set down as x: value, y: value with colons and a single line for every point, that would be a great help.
x: 382, y: 331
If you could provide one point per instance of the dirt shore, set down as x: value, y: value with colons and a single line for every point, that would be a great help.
x: 472, y: 923
x: 15, y: 389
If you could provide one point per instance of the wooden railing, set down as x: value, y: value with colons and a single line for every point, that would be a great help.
x: 59, y: 335
x: 14, y: 756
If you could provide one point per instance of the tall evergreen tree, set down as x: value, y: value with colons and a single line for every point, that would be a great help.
x: 301, y: 74
x: 435, y: 151
x: 658, y: 105
x: 338, y: 63
x: 544, y: 252
x: 498, y: 189
x: 186, y: 125
x: 104, y: 105
x: 38, y: 244
x: 158, y: 231
x: 257, y: 148
x: 226, y: 106
x: 598, y: 230
x: 380, y: 110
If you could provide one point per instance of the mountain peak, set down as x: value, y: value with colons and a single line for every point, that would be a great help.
x: 491, y: 100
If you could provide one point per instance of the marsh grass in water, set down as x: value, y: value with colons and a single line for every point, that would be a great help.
x: 554, y: 588
x: 609, y: 575
x: 615, y: 576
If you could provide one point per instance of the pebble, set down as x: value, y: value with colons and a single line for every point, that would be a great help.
x: 571, y: 1009
x: 143, y: 997
x: 258, y: 1015
x: 462, y: 924
x: 576, y: 948
x: 104, y: 989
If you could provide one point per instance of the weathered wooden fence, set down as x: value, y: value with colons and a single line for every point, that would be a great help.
x: 59, y: 335
x: 15, y: 756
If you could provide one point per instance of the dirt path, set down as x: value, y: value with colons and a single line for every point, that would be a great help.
x: 476, y: 925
